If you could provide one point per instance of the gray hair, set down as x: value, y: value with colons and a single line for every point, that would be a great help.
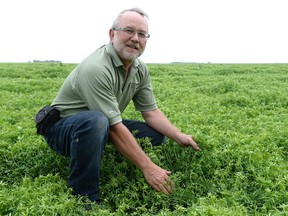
x: 137, y: 10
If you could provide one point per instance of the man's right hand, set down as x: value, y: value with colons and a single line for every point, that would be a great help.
x: 127, y: 145
x: 158, y: 178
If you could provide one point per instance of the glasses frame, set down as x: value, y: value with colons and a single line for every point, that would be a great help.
x: 131, y: 32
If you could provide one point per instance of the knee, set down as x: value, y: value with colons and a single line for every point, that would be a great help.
x: 159, y: 140
x: 99, y: 120
x: 96, y: 121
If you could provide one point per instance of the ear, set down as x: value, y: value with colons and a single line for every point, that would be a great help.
x: 111, y: 34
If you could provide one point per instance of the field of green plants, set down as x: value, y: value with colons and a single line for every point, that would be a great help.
x: 238, y: 114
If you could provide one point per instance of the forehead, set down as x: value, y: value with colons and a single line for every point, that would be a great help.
x: 134, y: 20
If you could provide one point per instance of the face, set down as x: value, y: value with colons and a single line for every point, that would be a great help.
x: 129, y: 46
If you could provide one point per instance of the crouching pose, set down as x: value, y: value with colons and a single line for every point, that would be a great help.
x: 91, y: 100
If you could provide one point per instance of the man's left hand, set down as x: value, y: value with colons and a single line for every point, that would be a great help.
x: 185, y: 140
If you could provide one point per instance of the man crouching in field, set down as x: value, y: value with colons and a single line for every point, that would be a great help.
x: 87, y: 110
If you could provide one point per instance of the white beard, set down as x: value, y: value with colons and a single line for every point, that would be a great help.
x: 130, y: 56
x: 125, y: 54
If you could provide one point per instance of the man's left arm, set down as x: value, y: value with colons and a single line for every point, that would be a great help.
x: 158, y: 121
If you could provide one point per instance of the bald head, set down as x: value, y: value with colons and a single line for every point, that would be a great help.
x: 135, y: 10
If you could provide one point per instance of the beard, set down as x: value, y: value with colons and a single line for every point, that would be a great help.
x: 124, y: 54
x: 129, y: 56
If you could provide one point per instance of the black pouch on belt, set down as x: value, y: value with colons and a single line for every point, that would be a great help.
x: 45, y: 119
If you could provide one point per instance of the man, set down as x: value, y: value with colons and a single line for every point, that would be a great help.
x: 92, y: 99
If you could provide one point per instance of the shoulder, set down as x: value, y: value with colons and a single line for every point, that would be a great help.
x: 99, y: 59
x: 96, y: 65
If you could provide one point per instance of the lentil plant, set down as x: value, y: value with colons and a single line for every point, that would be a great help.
x: 238, y: 114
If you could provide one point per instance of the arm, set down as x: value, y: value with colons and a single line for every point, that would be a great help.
x: 157, y: 120
x: 128, y: 147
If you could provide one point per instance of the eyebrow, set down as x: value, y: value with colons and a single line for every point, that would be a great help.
x: 137, y: 29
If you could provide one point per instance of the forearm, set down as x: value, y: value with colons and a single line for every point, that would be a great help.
x: 128, y: 146
x: 158, y: 121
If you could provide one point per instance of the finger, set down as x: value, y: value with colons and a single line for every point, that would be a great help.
x: 195, y: 146
x: 171, y: 184
x: 169, y: 188
x: 157, y: 188
x: 193, y: 143
x: 167, y: 172
x: 165, y: 189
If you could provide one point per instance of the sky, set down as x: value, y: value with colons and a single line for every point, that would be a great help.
x: 198, y: 31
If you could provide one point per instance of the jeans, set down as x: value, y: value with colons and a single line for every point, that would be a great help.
x: 83, y: 138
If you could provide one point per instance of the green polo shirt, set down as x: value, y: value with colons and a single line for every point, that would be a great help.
x: 98, y: 83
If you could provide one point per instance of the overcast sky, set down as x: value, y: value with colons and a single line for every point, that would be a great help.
x: 216, y: 31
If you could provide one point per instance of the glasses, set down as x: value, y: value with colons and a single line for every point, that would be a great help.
x: 131, y: 32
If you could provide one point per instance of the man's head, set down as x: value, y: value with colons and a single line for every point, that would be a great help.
x: 129, y: 34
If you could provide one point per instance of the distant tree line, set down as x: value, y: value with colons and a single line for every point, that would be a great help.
x: 47, y: 61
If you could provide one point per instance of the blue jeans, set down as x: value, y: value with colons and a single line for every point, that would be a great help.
x: 83, y: 138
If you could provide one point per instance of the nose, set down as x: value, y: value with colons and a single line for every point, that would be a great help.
x: 135, y: 37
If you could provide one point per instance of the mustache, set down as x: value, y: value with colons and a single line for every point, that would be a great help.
x: 133, y: 45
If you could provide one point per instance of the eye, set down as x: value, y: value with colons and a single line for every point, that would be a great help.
x: 129, y: 31
x: 142, y: 34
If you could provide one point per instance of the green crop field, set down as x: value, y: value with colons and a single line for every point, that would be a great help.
x: 238, y: 114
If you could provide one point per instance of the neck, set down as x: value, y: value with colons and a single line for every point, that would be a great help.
x: 127, y: 64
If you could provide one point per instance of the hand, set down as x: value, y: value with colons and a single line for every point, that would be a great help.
x: 185, y: 140
x: 158, y: 178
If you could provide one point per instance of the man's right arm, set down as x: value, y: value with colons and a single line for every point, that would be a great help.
x: 127, y: 145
